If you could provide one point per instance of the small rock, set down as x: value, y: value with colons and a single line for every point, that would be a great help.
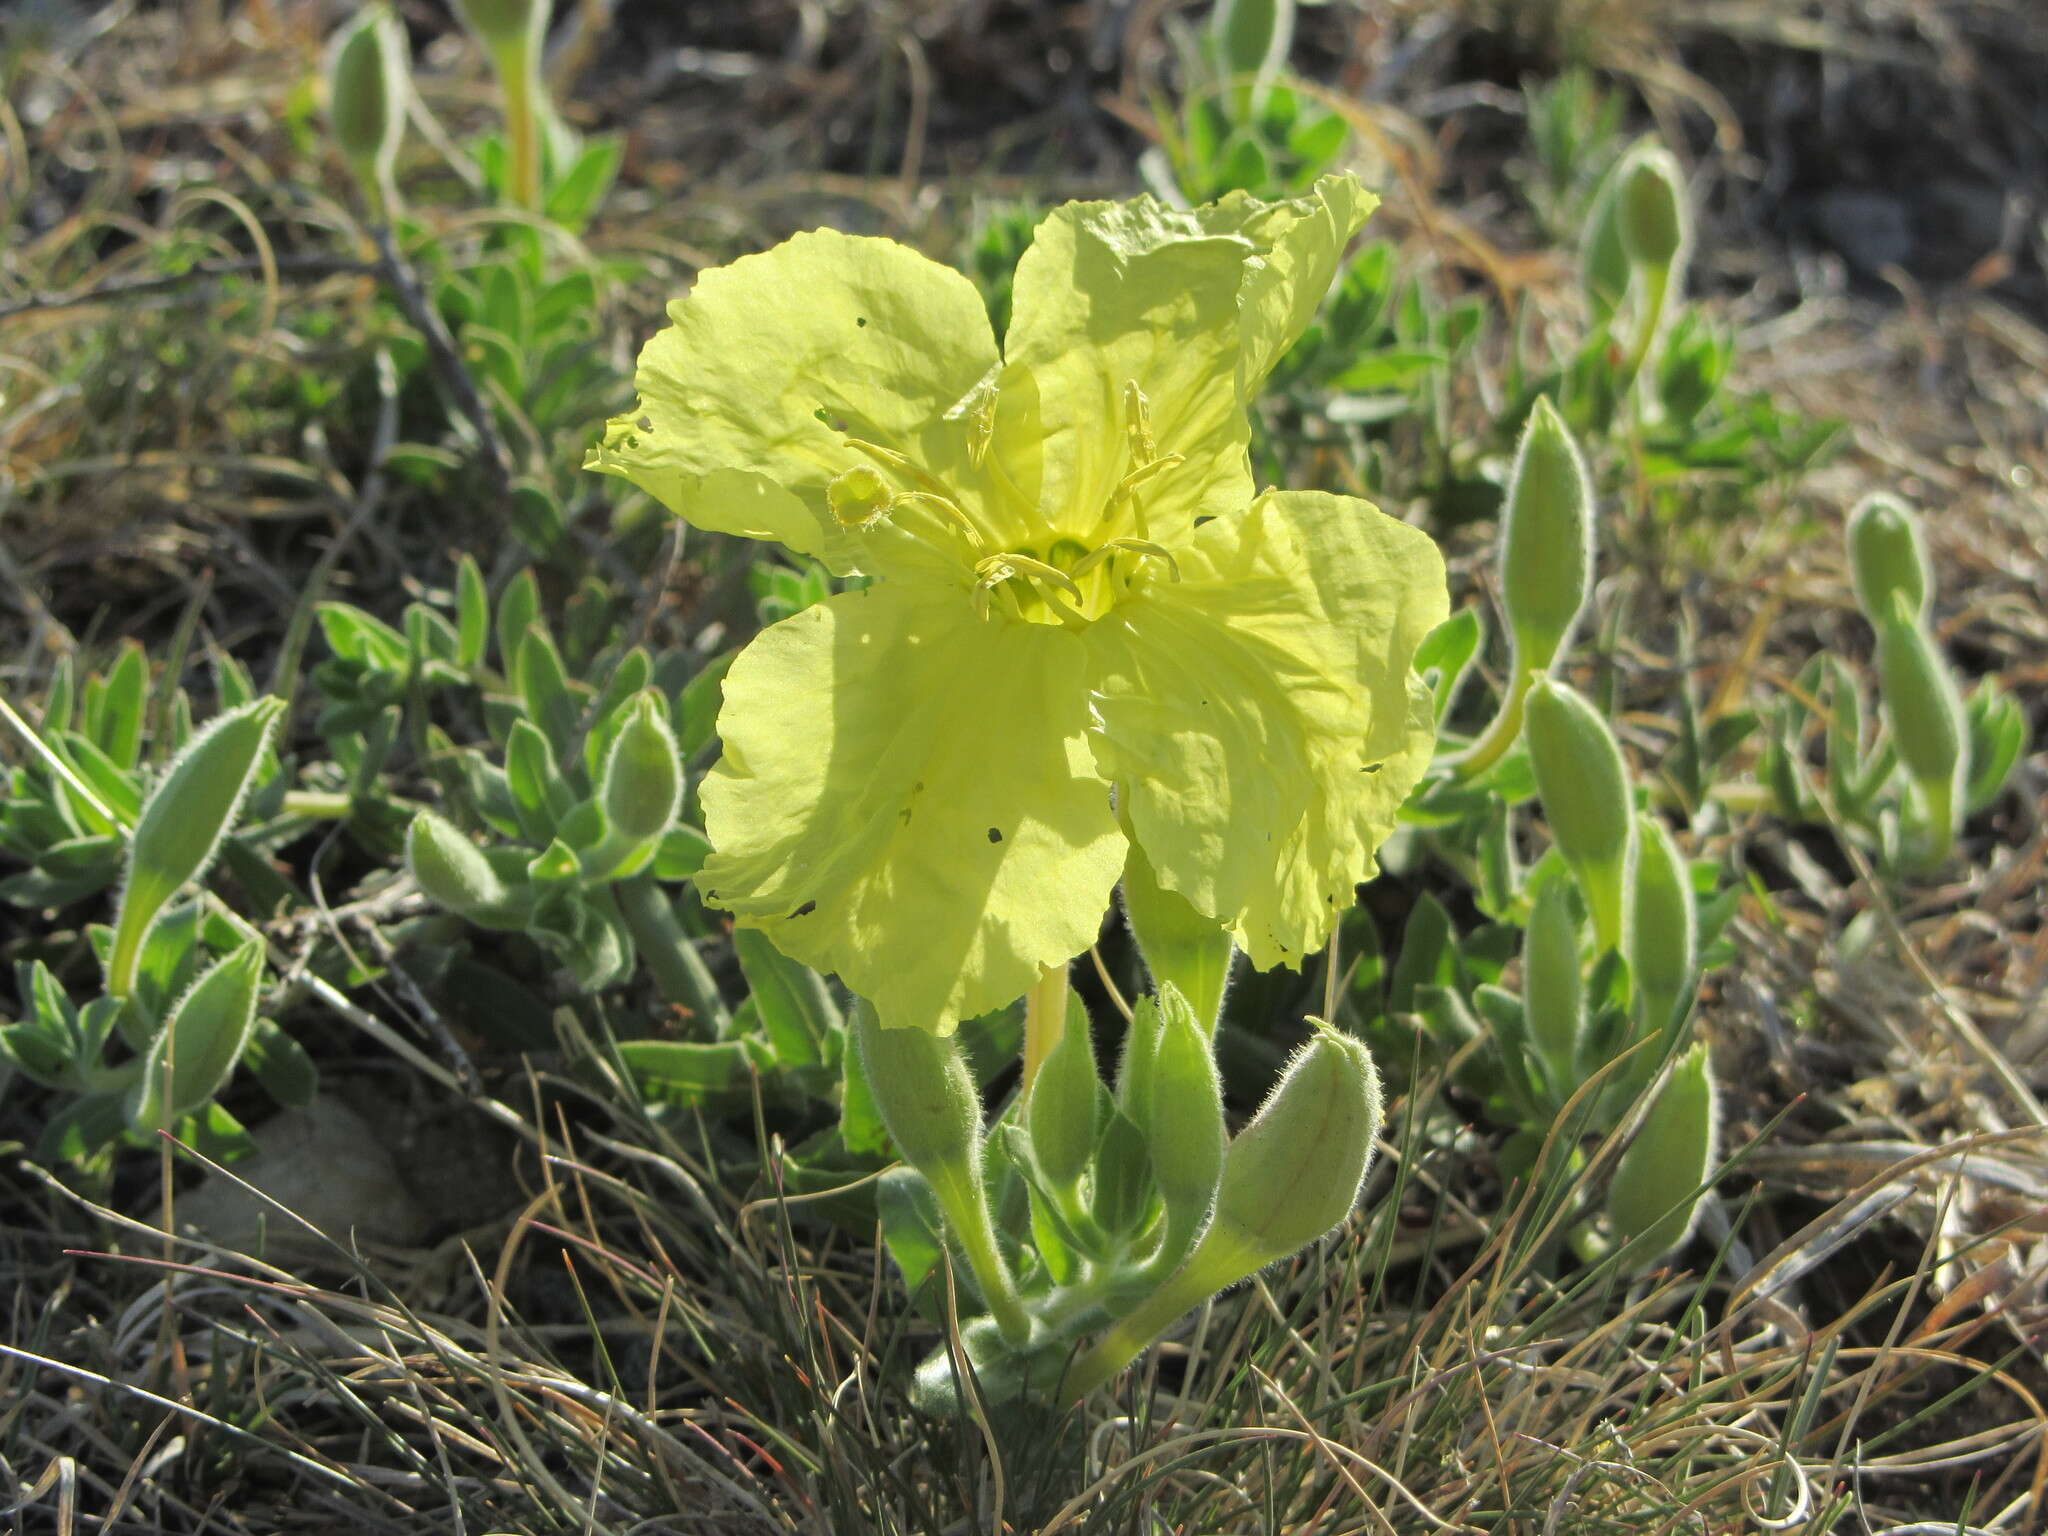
x: 323, y: 1162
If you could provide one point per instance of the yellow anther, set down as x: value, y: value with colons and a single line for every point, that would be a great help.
x: 981, y: 431
x: 1136, y: 547
x: 1138, y: 422
x: 1144, y: 472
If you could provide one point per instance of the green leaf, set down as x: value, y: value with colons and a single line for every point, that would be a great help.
x: 122, y: 706
x: 795, y: 1005
x: 472, y: 615
x: 284, y: 1067
x: 686, y: 1071
x: 182, y: 824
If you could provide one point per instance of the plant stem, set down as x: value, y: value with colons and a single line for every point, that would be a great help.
x: 1045, y: 1020
x: 677, y: 968
x: 1158, y: 1312
x: 1493, y: 742
x: 964, y: 1201
x: 518, y: 68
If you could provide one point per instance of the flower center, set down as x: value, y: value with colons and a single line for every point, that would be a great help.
x: 1067, y: 581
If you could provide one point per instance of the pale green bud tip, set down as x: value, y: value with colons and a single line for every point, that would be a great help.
x: 859, y: 498
x: 1553, y: 991
x: 1662, y: 938
x: 926, y: 1097
x: 1928, y: 724
x: 1650, y: 210
x: 1294, y: 1172
x: 1650, y: 1200
x: 643, y: 777
x: 1184, y: 1128
x: 504, y: 23
x: 1886, y: 555
x: 1252, y: 37
x: 1546, y: 540
x: 450, y: 869
x: 1060, y: 1113
x: 1580, y: 775
x: 366, y: 85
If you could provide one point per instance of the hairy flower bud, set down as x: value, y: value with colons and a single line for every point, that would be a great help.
x: 1887, y: 555
x: 504, y: 23
x: 1060, y: 1111
x: 1928, y: 727
x: 1663, y: 953
x: 1184, y: 1123
x: 453, y: 871
x: 926, y: 1097
x: 368, y: 76
x: 1251, y: 37
x: 1546, y: 541
x: 1553, y: 989
x: 1651, y: 1200
x: 1294, y: 1172
x: 1650, y: 210
x: 1583, y: 784
x: 643, y: 775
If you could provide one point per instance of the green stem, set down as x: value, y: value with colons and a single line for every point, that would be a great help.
x: 678, y: 970
x: 1657, y: 291
x: 1045, y: 1020
x: 964, y: 1201
x: 1493, y: 742
x: 518, y: 66
x: 1101, y: 1361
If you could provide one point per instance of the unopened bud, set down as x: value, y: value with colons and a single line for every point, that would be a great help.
x: 1583, y: 783
x: 1251, y: 37
x: 1928, y: 727
x: 452, y: 870
x: 1553, y: 990
x: 1663, y: 946
x: 1184, y: 1126
x: 1294, y: 1172
x: 1060, y: 1112
x: 504, y: 23
x: 1546, y: 564
x: 1887, y: 555
x: 1652, y: 1200
x: 643, y: 776
x: 1650, y: 208
x: 926, y: 1097
x: 368, y: 76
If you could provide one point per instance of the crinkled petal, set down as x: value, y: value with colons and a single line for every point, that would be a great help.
x: 1261, y: 716
x: 1194, y: 308
x: 747, y: 397
x: 908, y: 798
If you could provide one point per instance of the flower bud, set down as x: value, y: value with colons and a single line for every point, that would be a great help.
x: 504, y: 23
x: 1663, y: 944
x: 1650, y: 207
x: 1887, y: 555
x: 453, y: 871
x: 1651, y: 1200
x: 1553, y: 990
x: 1928, y: 727
x: 1546, y: 564
x: 926, y: 1097
x: 1583, y: 783
x: 1184, y: 1123
x: 643, y: 776
x: 368, y: 76
x: 1060, y: 1112
x: 1251, y: 37
x: 1294, y: 1172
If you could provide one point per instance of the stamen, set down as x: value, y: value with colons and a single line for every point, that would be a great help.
x: 997, y: 569
x: 1136, y: 547
x: 1138, y: 422
x: 952, y: 509
x: 1144, y: 472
